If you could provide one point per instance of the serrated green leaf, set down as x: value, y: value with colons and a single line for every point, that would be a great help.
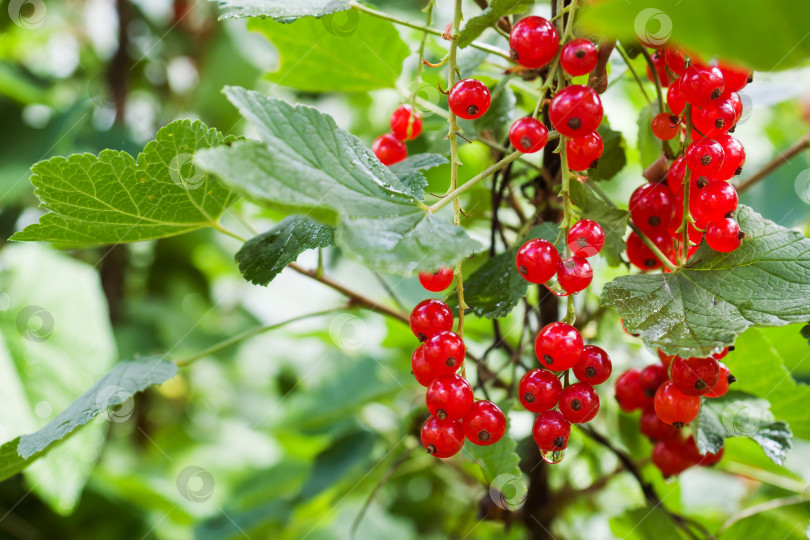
x: 649, y: 146
x: 489, y: 17
x: 738, y: 414
x: 280, y: 10
x: 613, y: 157
x: 111, y: 198
x: 612, y: 220
x: 409, y: 171
x: 344, y: 52
x: 264, y: 256
x: 696, y: 310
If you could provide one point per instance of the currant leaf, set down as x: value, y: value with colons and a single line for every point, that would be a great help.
x: 409, y: 171
x: 612, y: 220
x: 649, y: 147
x: 613, y: 157
x: 280, y: 10
x: 488, y: 18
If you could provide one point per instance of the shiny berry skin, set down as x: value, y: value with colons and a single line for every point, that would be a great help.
x: 400, y: 120
x: 579, y: 403
x: 576, y: 111
x: 485, y: 424
x: 651, y: 378
x: 674, y: 407
x: 695, y: 376
x: 670, y: 457
x: 642, y: 257
x: 735, y: 101
x: 652, y: 207
x: 594, y: 366
x: 654, y: 429
x: 700, y: 85
x: 717, y: 200
x: 661, y: 69
x: 578, y: 57
x: 442, y: 438
x: 551, y: 431
x: 733, y: 157
x: 389, y: 149
x: 429, y: 318
x: 420, y: 368
x: 528, y: 135
x: 629, y: 393
x: 469, y: 99
x: 445, y: 353
x: 714, y: 120
x: 539, y: 390
x: 665, y: 126
x: 675, y: 175
x: 704, y: 460
x: 675, y: 60
x: 436, y: 281
x: 537, y: 260
x: 724, y: 235
x: 533, y: 42
x: 735, y: 78
x: 449, y: 397
x: 585, y: 238
x: 675, y: 100
x: 583, y: 153
x: 558, y: 346
x: 574, y: 274
x: 724, y: 380
x: 705, y: 157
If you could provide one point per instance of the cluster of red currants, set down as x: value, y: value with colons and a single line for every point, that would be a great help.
x: 669, y: 395
x: 454, y: 412
x: 406, y: 125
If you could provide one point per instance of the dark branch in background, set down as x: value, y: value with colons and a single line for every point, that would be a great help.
x: 598, y: 79
x: 777, y: 162
x: 119, y: 65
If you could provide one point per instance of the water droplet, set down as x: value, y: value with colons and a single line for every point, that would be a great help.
x: 554, y: 457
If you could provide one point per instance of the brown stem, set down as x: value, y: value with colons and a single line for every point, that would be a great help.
x: 598, y: 79
x: 777, y: 162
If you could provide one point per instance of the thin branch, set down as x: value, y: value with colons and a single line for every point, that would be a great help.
x: 656, y: 79
x: 777, y: 162
x: 763, y: 507
x: 633, y: 71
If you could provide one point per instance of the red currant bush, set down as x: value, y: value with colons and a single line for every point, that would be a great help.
x: 654, y: 429
x: 705, y: 157
x: 665, y: 126
x: 670, y: 457
x: 629, y: 393
x: 558, y: 346
x: 717, y: 201
x: 695, y: 376
x: 594, y: 366
x: 445, y: 353
x: 420, y: 368
x: 528, y: 135
x: 652, y: 207
x: 406, y: 124
x: 537, y: 260
x: 430, y: 317
x: 723, y: 382
x: 436, y: 281
x: 551, y: 431
x: 724, y: 235
x: 579, y: 403
x: 389, y: 149
x: 442, y: 438
x: 586, y: 238
x: 469, y: 99
x: 574, y: 274
x: 539, y: 390
x: 449, y: 397
x: 674, y: 407
x: 485, y: 424
x: 578, y: 57
x: 701, y: 85
x: 583, y: 153
x: 533, y: 42
x: 576, y: 111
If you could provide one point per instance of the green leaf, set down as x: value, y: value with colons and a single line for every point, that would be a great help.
x: 280, y: 10
x: 306, y: 160
x: 643, y: 524
x: 806, y: 332
x: 264, y: 256
x: 738, y: 414
x: 500, y: 114
x: 337, y: 53
x: 111, y: 198
x: 696, y: 310
x: 612, y: 220
x: 649, y: 147
x: 489, y: 17
x: 753, y: 32
x: 613, y: 157
x: 409, y: 172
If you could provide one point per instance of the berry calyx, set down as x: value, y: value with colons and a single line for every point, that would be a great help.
x: 724, y: 235
x: 705, y: 157
x: 469, y: 99
x: 585, y: 238
x: 594, y: 366
x: 445, y: 352
x: 652, y: 207
x: 665, y: 126
x: 629, y: 393
x: 533, y: 42
x: 537, y: 260
x: 578, y: 57
x: 485, y: 424
x: 654, y: 429
x: 402, y: 126
x: 724, y: 380
x: 718, y: 200
x: 539, y: 390
x: 700, y: 85
x: 576, y: 111
x: 528, y: 135
x: 430, y: 317
x: 579, y: 403
x: 551, y: 431
x: 695, y: 376
x: 420, y: 368
x: 442, y: 438
x: 674, y: 407
x: 436, y: 281
x: 389, y: 149
x: 574, y: 274
x: 583, y: 153
x: 558, y: 346
x: 449, y: 397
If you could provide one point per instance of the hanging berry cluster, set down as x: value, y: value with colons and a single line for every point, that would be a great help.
x: 406, y: 125
x: 668, y: 394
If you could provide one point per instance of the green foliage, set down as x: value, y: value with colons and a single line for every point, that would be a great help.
x: 699, y: 309
x: 280, y: 10
x: 408, y: 171
x: 612, y: 220
x: 475, y: 26
x: 112, y: 198
x: 500, y: 114
x: 649, y: 146
x: 643, y: 524
x: 613, y: 157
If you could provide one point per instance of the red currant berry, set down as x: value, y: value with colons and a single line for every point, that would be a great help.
x: 574, y: 274
x: 665, y: 358
x: 445, y: 353
x: 652, y: 207
x: 528, y: 135
x: 701, y: 85
x: 705, y: 157
x: 723, y: 381
x: 643, y: 257
x: 675, y: 60
x: 724, y: 235
x: 485, y: 424
x: 695, y: 376
x: 430, y: 317
x: 436, y: 281
x: 629, y: 393
x: 694, y: 455
x: 674, y: 407
x: 734, y: 100
x: 579, y: 403
x: 714, y: 120
x: 389, y: 149
x: 533, y: 42
x: 449, y: 397
x: 469, y: 99
x: 735, y: 78
x: 558, y: 346
x: 675, y: 100
x: 675, y: 176
x: 576, y: 111
x: 585, y: 238
x: 654, y: 429
x: 670, y: 457
x: 539, y: 390
x: 402, y: 126
x: 537, y: 260
x: 718, y: 200
x: 442, y: 438
x: 578, y: 57
x: 734, y: 157
x: 420, y: 368
x: 583, y: 153
x: 665, y: 126
x: 594, y: 366
x: 660, y: 65
x: 551, y: 431
x: 651, y: 378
